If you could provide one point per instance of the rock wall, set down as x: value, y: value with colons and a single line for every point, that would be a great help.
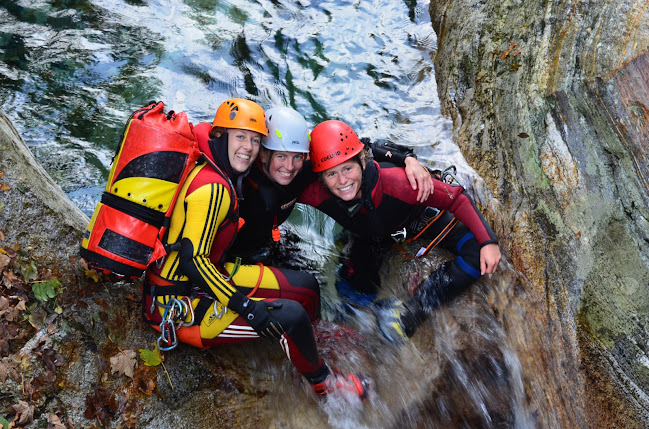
x: 549, y: 102
x: 36, y: 217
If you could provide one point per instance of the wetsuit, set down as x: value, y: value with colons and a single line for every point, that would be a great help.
x: 387, y: 206
x: 203, y: 225
x: 268, y: 204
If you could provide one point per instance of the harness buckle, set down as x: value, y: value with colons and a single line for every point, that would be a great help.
x: 219, y: 313
x: 400, y: 235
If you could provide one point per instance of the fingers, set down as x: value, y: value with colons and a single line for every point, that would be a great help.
x: 412, y: 179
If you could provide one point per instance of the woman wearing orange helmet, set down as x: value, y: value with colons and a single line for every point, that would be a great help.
x: 376, y: 204
x: 196, y: 297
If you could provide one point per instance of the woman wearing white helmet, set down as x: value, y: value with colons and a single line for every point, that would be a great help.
x: 282, y: 172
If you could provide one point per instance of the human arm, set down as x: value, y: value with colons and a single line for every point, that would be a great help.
x: 207, y: 208
x: 403, y: 156
x: 454, y: 199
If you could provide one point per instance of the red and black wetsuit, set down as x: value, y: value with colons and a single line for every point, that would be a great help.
x: 389, y: 204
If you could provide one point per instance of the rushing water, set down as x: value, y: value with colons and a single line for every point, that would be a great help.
x: 71, y: 71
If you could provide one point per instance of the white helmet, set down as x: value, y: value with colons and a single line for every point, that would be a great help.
x: 287, y: 130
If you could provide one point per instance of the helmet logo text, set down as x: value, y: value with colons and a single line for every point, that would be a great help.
x: 330, y: 156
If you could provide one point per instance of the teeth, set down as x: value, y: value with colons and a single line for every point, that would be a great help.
x: 285, y: 174
x: 345, y: 189
x: 245, y: 157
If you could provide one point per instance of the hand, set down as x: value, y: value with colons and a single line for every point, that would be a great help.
x: 489, y: 258
x: 259, y: 316
x: 419, y: 178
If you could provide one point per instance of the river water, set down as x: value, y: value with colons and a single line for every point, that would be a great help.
x: 71, y: 71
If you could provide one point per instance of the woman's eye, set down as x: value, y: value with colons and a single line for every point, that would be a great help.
x: 299, y: 158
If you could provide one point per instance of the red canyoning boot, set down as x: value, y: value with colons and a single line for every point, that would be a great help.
x: 339, y: 382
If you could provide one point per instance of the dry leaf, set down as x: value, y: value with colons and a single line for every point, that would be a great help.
x: 4, y: 261
x: 54, y: 422
x: 2, y: 236
x: 1, y: 174
x: 24, y: 413
x: 4, y: 304
x: 4, y: 187
x: 514, y: 67
x: 8, y: 369
x: 512, y: 46
x: 517, y: 52
x: 503, y: 55
x: 523, y: 135
x: 124, y: 363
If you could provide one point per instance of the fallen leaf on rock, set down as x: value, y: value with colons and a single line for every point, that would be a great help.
x: 517, y: 52
x: 4, y: 261
x: 102, y: 303
x: 503, y: 55
x: 4, y: 187
x: 147, y: 386
x: 4, y: 304
x: 9, y: 279
x: 52, y: 359
x: 523, y: 135
x: 151, y: 357
x: 123, y: 363
x: 101, y: 405
x: 24, y: 413
x: 2, y: 236
x: 54, y: 422
x: 9, y: 369
x: 512, y: 46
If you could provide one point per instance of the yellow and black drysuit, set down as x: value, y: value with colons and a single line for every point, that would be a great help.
x: 230, y: 304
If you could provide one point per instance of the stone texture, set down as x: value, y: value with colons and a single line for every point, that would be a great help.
x: 549, y: 104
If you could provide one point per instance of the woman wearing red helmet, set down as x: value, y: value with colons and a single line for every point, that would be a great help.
x: 376, y: 204
x: 196, y: 297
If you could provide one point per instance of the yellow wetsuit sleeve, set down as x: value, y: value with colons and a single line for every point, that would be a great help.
x: 206, y: 209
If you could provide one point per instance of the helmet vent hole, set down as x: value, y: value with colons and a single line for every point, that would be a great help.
x: 160, y: 206
x: 129, y: 194
x: 144, y: 200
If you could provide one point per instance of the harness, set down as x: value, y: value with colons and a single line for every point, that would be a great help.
x: 426, y: 219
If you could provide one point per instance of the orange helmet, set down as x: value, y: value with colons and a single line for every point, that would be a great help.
x: 332, y: 143
x: 241, y: 114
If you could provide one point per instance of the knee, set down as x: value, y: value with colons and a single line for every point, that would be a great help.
x: 293, y: 314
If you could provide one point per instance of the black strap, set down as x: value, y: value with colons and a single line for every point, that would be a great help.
x: 145, y: 214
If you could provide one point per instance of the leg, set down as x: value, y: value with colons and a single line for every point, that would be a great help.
x: 358, y: 281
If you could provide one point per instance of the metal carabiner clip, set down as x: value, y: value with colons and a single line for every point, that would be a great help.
x: 399, y: 236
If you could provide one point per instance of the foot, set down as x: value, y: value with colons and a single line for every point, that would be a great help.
x: 346, y: 383
x: 389, y: 314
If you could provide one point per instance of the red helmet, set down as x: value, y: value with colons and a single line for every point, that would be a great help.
x: 332, y: 143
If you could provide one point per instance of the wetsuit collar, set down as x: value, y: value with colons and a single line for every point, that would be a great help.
x: 369, y: 193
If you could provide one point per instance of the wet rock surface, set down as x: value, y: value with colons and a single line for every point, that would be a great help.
x: 549, y: 105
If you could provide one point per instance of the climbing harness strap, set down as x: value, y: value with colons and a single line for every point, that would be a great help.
x: 428, y: 217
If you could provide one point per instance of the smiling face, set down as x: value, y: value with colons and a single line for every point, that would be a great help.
x: 243, y: 147
x: 283, y: 166
x: 344, y: 180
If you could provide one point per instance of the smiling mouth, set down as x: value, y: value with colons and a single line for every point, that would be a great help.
x: 345, y: 188
x: 243, y: 157
x: 283, y: 174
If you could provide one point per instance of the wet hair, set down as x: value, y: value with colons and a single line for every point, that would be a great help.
x: 216, y: 132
